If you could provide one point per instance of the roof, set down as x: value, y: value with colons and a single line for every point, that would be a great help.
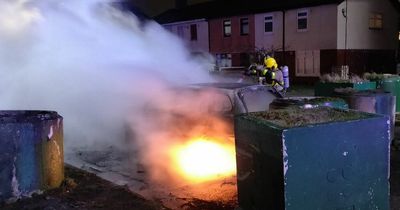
x: 128, y: 6
x: 227, y: 8
x: 396, y: 4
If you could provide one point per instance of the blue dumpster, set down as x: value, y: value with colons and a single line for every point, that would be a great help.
x: 31, y: 152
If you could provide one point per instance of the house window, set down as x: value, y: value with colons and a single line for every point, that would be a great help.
x: 268, y: 24
x: 244, y: 26
x: 180, y: 31
x: 193, y: 32
x: 375, y: 21
x: 302, y: 20
x: 227, y: 28
x: 224, y: 60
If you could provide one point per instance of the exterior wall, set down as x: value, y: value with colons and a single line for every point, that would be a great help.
x: 359, y: 61
x: 234, y: 44
x: 270, y: 40
x: 359, y: 36
x: 321, y: 32
x: 182, y: 29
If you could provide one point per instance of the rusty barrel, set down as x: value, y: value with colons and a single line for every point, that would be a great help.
x: 372, y: 101
x: 31, y: 152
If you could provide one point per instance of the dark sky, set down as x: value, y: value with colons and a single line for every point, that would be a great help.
x: 155, y: 7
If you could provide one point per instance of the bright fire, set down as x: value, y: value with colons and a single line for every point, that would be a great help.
x: 205, y: 160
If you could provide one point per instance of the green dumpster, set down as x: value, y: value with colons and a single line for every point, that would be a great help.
x: 31, y: 153
x: 392, y: 84
x: 320, y: 158
x: 327, y: 88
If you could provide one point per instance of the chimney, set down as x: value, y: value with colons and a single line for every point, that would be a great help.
x: 179, y: 4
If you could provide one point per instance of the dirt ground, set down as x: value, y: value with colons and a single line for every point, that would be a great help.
x: 86, y: 191
x: 83, y: 190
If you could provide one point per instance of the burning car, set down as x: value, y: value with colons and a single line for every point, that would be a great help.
x: 243, y: 97
x: 182, y: 143
x: 188, y: 137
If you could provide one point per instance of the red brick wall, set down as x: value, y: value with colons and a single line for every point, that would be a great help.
x: 328, y: 59
x: 359, y: 61
x: 236, y: 43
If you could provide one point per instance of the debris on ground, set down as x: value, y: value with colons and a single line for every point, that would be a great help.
x: 197, y: 204
x: 83, y: 190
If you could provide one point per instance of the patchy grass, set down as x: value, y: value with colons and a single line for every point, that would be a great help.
x: 294, y: 117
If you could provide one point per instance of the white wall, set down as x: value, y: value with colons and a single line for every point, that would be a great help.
x: 268, y: 40
x: 321, y: 32
x: 359, y: 36
x: 202, y: 42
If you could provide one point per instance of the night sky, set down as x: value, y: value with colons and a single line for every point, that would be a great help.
x: 155, y: 7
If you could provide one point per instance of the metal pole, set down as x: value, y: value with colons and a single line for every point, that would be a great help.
x: 345, y: 37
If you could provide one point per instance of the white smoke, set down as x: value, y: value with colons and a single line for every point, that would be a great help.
x: 90, y: 62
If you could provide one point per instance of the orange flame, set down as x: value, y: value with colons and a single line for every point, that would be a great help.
x: 202, y: 160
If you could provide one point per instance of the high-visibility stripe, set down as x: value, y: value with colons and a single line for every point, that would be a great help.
x: 264, y: 72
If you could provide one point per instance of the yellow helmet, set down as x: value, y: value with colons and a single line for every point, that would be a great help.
x: 270, y: 62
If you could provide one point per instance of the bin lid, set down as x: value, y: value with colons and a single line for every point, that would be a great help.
x: 21, y: 116
x: 354, y: 92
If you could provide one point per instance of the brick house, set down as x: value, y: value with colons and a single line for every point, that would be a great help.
x: 312, y: 37
x: 234, y: 40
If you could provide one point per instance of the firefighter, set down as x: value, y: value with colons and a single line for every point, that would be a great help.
x: 269, y: 74
x: 272, y: 75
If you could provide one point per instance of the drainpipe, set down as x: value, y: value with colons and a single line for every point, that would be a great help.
x: 345, y: 37
x: 216, y: 67
x: 283, y: 36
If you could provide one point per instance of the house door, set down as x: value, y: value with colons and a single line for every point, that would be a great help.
x: 308, y: 63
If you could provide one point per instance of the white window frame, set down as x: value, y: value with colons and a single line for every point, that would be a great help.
x: 375, y: 17
x: 269, y: 21
x: 241, y: 21
x: 227, y: 25
x: 307, y: 16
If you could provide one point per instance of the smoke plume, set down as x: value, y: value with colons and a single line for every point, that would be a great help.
x: 116, y: 81
x: 90, y: 62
